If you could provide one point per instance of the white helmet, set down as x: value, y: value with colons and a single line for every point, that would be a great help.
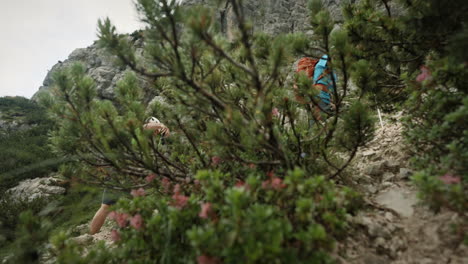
x: 152, y: 120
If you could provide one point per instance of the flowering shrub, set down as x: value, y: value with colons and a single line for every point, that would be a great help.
x: 439, y: 109
x: 225, y: 223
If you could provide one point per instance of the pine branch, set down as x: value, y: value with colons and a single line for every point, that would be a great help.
x: 245, y: 39
x: 192, y: 143
x: 385, y: 2
x: 296, y: 135
x: 218, y: 50
x: 355, y: 149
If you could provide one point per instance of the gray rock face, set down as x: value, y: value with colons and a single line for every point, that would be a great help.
x: 14, y: 125
x: 99, y: 65
x: 95, y: 61
x: 32, y: 189
x: 273, y: 16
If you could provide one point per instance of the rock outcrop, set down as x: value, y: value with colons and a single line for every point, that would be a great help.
x: 272, y: 16
x: 100, y: 66
x: 31, y: 189
x: 12, y: 125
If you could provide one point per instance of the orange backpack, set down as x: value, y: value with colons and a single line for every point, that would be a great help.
x: 307, y: 65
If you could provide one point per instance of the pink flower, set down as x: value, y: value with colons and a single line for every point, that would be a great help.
x: 277, y: 183
x: 424, y: 75
x: 273, y: 183
x: 112, y: 215
x: 206, y: 210
x: 177, y: 189
x: 137, y: 222
x: 150, y: 178
x: 450, y: 179
x: 252, y: 166
x: 179, y: 201
x: 240, y: 184
x: 166, y: 184
x: 204, y: 259
x: 139, y: 192
x: 120, y: 218
x: 115, y: 235
x: 215, y: 160
x: 275, y: 112
x: 271, y: 174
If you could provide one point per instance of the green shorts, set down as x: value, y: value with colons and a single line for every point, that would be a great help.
x: 110, y: 197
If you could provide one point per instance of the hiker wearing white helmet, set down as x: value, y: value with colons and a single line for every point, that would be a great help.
x: 110, y: 198
x: 159, y: 128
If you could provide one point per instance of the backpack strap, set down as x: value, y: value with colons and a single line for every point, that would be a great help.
x: 324, y: 73
x: 321, y: 87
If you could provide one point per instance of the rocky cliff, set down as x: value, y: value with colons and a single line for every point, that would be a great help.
x: 273, y: 16
x: 100, y: 65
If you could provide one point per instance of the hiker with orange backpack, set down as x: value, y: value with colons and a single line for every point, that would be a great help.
x: 322, y: 80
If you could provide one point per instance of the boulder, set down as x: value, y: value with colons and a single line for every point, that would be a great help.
x: 376, y: 168
x: 405, y: 173
x: 387, y: 176
x: 32, y: 189
x: 398, y: 199
x: 83, y: 240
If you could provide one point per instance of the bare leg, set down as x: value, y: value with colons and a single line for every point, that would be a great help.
x: 98, y: 219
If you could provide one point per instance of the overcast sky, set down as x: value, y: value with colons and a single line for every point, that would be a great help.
x: 35, y: 34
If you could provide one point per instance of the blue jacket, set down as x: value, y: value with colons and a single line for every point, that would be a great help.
x: 325, y: 80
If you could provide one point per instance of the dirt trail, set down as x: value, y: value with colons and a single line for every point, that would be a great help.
x: 397, y: 229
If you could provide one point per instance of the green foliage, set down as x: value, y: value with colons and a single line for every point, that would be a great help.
x: 20, y: 109
x: 64, y: 212
x: 395, y: 37
x: 437, y: 129
x: 11, y: 208
x: 25, y: 153
x: 357, y: 127
x: 32, y: 232
x: 252, y: 223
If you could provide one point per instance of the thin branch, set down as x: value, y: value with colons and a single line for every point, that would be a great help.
x: 208, y: 40
x: 389, y: 13
x: 192, y: 143
x: 298, y: 137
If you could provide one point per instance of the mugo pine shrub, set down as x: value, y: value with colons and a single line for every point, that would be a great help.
x: 247, y: 174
